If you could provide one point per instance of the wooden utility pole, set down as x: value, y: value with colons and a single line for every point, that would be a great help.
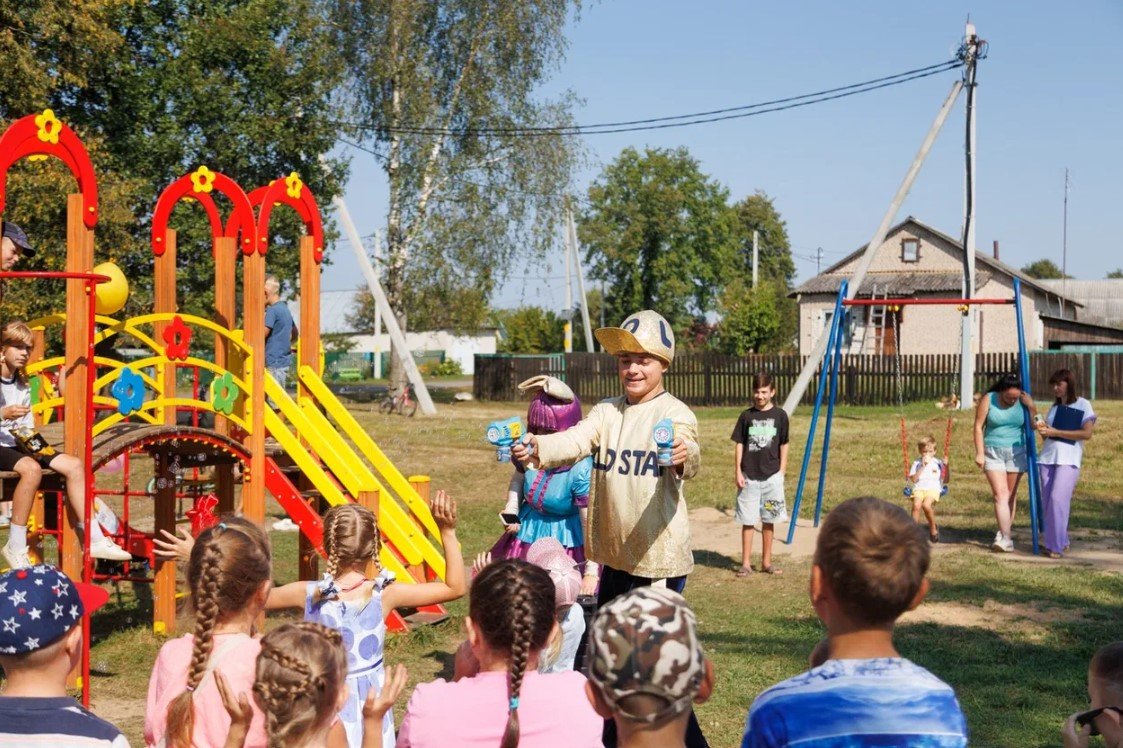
x: 970, y: 53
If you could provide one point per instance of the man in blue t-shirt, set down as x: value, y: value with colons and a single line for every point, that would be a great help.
x: 280, y: 332
x: 869, y: 568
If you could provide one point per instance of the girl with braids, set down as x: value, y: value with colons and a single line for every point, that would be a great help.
x: 229, y: 577
x: 356, y: 606
x: 301, y: 686
x: 507, y: 702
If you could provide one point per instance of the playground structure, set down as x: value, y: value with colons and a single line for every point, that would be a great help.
x: 828, y: 370
x: 317, y: 453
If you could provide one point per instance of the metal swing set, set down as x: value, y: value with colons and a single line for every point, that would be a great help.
x: 828, y: 371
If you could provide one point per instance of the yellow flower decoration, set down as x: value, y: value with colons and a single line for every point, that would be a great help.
x: 49, y: 127
x: 202, y: 180
x: 294, y: 185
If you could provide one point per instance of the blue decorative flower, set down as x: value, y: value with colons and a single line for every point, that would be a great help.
x: 129, y: 391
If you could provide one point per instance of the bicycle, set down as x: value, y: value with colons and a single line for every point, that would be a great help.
x: 404, y: 402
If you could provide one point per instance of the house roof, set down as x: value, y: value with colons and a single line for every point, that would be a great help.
x: 981, y: 259
x: 893, y: 283
x: 1102, y: 299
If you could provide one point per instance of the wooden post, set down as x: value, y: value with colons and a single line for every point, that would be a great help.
x: 253, y: 320
x: 164, y: 301
x: 309, y: 347
x: 163, y: 594
x: 79, y: 259
x: 421, y: 484
x: 225, y: 311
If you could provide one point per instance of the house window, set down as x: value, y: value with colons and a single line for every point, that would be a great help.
x: 910, y: 250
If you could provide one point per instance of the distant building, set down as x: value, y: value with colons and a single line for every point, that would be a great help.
x: 917, y: 261
x: 437, y: 345
x: 1102, y: 299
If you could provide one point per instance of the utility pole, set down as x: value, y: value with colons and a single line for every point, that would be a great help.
x: 1064, y: 249
x: 970, y: 52
x: 378, y: 309
x: 818, y: 261
x: 568, y: 297
x: 571, y: 230
x: 820, y: 347
x: 756, y: 255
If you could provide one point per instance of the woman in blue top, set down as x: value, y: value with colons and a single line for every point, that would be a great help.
x: 1000, y: 449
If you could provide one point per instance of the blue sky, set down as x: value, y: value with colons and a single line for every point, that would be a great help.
x: 1050, y: 96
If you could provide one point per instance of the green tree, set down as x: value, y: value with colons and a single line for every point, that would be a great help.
x: 1043, y: 270
x: 660, y: 233
x: 154, y: 90
x: 777, y: 268
x: 749, y: 318
x: 530, y: 329
x: 435, y: 87
x: 441, y: 307
x: 1117, y: 273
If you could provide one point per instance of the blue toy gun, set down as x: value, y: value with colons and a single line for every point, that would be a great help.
x: 503, y: 434
x: 664, y: 435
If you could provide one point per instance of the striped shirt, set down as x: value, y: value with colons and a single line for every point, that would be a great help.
x: 855, y: 703
x: 54, y: 721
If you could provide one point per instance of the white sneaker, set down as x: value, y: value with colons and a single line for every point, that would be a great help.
x: 286, y: 525
x: 16, y: 559
x: 107, y: 550
x: 1007, y: 545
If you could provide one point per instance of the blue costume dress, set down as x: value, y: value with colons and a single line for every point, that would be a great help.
x: 551, y: 503
x: 363, y: 627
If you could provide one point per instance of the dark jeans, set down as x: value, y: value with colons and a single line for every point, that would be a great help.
x: 614, y: 583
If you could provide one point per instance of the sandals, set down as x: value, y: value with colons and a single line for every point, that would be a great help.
x: 743, y: 571
x: 1055, y: 555
x: 934, y: 537
x: 771, y: 570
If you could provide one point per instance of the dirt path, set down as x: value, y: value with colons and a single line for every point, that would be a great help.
x: 715, y: 531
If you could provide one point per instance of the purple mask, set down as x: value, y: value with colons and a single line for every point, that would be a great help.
x: 548, y: 414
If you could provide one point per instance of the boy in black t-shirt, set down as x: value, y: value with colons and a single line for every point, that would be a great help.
x: 759, y: 461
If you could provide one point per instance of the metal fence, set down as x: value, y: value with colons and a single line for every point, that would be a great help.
x: 713, y: 379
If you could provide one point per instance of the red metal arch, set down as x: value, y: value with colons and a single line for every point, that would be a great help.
x: 185, y: 187
x: 276, y: 193
x: 44, y: 135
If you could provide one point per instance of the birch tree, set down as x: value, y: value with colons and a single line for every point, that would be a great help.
x: 442, y: 93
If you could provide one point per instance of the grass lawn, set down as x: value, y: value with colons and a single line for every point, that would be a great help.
x: 1013, y: 636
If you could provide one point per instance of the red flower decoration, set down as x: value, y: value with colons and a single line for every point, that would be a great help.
x: 177, y: 337
x: 202, y: 514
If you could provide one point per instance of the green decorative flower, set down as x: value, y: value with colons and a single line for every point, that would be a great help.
x: 224, y: 393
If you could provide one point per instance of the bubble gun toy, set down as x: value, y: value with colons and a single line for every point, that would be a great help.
x: 503, y: 434
x: 664, y: 434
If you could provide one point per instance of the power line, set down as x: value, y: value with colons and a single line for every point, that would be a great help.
x: 678, y: 120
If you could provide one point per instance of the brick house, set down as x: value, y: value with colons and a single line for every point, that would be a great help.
x: 917, y: 261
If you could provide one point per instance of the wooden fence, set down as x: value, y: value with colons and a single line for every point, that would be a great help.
x: 712, y: 379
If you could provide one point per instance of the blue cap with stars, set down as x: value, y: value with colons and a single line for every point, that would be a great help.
x: 39, y: 604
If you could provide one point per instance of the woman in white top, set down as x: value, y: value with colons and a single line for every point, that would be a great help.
x: 1065, y: 433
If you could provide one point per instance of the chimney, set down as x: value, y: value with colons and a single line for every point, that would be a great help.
x: 996, y: 249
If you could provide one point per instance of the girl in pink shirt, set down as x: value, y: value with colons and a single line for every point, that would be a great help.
x: 507, y: 702
x: 229, y: 576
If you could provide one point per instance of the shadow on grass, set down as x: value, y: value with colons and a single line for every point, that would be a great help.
x: 713, y: 560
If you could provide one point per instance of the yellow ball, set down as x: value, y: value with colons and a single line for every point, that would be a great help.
x: 112, y: 295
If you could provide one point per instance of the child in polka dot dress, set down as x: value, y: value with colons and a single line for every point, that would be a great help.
x: 346, y: 600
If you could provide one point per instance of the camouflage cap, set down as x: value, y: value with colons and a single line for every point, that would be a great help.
x: 646, y: 642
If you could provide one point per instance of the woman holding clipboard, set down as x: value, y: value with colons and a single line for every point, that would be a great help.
x: 1066, y: 427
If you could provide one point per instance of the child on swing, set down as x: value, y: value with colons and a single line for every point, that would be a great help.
x: 927, y: 476
x: 16, y: 419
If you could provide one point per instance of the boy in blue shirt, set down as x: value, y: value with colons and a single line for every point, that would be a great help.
x: 870, y: 564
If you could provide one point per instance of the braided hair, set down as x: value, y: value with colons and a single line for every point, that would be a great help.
x: 350, y: 537
x: 228, y: 565
x: 301, y: 672
x: 512, y: 602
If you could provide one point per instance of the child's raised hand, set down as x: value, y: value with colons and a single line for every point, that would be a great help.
x: 238, y: 707
x: 174, y: 547
x: 482, y: 560
x: 1074, y: 735
x: 378, y: 703
x: 444, y: 511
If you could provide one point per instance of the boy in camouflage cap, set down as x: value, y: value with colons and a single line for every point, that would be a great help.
x: 646, y: 666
